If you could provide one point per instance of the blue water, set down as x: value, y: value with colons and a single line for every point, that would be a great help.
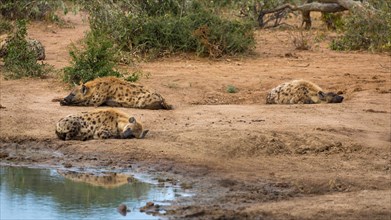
x: 30, y: 193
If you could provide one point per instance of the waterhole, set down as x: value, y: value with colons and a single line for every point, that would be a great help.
x: 34, y: 193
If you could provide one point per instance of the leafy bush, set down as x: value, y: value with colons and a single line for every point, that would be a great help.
x: 20, y: 59
x: 333, y: 21
x: 369, y: 31
x: 96, y: 60
x: 160, y: 8
x: 5, y: 26
x: 168, y: 27
x: 31, y: 9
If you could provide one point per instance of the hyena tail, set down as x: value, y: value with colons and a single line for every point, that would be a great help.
x: 165, y: 105
x: 160, y: 103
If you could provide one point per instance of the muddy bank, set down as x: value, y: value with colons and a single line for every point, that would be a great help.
x: 231, y: 191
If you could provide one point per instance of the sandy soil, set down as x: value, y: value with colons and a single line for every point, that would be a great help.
x: 243, y: 158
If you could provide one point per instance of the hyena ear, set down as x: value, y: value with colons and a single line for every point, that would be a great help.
x: 321, y: 94
x: 143, y: 134
x: 84, y: 89
x: 132, y: 120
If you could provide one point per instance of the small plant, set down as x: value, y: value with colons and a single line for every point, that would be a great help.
x: 172, y: 85
x: 97, y: 60
x: 232, y: 89
x: 20, y: 59
x: 320, y: 36
x: 301, y: 40
x: 135, y: 76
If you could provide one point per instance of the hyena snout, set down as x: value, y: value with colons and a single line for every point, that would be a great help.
x: 336, y: 99
x: 67, y: 100
x: 330, y: 97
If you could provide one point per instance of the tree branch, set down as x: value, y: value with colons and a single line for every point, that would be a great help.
x: 305, y: 9
x: 348, y: 4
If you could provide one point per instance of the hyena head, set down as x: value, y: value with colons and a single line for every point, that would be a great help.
x: 330, y: 97
x: 68, y: 127
x: 80, y: 95
x: 133, y: 130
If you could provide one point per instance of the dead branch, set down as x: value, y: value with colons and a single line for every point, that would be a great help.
x: 329, y: 6
x: 348, y: 4
x: 306, y: 65
x: 305, y: 9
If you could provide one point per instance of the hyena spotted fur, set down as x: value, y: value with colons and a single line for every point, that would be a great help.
x: 33, y: 45
x: 99, y: 124
x: 301, y: 92
x: 115, y: 92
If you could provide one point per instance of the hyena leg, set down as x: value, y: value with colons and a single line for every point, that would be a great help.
x: 72, y: 134
x: 309, y: 101
x: 103, y: 134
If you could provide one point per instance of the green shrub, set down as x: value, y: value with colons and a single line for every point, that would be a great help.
x: 5, y: 26
x: 215, y: 36
x: 369, y: 31
x: 20, y: 59
x: 232, y: 89
x: 170, y: 26
x: 159, y: 8
x: 135, y: 76
x: 333, y: 21
x: 31, y: 9
x: 96, y: 60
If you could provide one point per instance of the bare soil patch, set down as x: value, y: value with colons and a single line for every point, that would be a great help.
x: 243, y: 158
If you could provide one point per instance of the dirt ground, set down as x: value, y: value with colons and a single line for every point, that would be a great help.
x: 242, y: 158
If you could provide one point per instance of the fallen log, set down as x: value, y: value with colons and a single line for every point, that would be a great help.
x: 326, y: 6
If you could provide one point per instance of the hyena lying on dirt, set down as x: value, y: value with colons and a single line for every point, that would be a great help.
x: 33, y: 45
x: 301, y: 92
x: 99, y: 124
x: 115, y: 92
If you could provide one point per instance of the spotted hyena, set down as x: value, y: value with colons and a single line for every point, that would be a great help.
x: 99, y: 124
x: 115, y: 92
x: 301, y: 92
x: 33, y: 45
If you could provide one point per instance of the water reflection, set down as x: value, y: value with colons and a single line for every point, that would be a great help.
x: 27, y: 193
x: 103, y: 179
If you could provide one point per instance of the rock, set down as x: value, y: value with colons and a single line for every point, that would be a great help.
x: 150, y: 206
x: 67, y: 165
x: 123, y: 209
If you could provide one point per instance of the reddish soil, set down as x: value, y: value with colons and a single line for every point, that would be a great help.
x: 242, y: 158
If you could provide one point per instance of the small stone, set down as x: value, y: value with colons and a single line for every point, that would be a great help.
x: 123, y: 209
x: 67, y: 165
x: 147, y: 206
